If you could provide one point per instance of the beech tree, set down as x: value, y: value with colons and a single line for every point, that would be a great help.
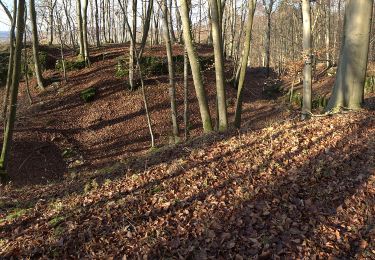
x: 171, y: 70
x: 307, y: 55
x: 348, y: 91
x: 244, y: 62
x: 8, y: 129
x: 35, y: 38
x: 216, y: 14
x: 195, y: 68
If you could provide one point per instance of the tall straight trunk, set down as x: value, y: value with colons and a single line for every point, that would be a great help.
x: 51, y: 8
x: 186, y: 95
x: 328, y: 33
x: 348, y: 91
x: 146, y: 27
x: 195, y: 68
x: 178, y: 22
x: 138, y: 66
x: 244, y: 61
x: 209, y: 37
x: 97, y: 30
x: 8, y: 129
x: 69, y: 24
x: 11, y: 56
x: 133, y: 46
x: 37, y: 68
x: 171, y: 30
x: 80, y: 30
x: 267, y: 44
x: 172, y: 88
x: 219, y: 67
x: 85, y: 33
x: 307, y: 52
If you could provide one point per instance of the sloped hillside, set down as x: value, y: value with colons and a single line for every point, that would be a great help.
x: 289, y: 190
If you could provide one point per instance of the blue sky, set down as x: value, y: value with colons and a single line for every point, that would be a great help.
x: 4, y: 17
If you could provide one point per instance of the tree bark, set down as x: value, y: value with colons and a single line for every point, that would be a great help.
x: 80, y: 30
x: 8, y: 129
x: 348, y: 91
x: 195, y: 68
x: 38, y: 70
x: 85, y: 33
x: 172, y: 88
x: 219, y: 66
x: 244, y: 61
x: 307, y: 54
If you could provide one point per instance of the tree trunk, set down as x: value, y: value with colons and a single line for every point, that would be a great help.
x: 80, y: 30
x: 133, y: 46
x: 11, y: 56
x: 85, y: 33
x: 348, y: 90
x: 328, y: 32
x: 38, y: 70
x: 97, y: 30
x: 244, y: 61
x: 219, y: 66
x: 307, y: 54
x: 186, y: 95
x: 172, y: 89
x: 195, y: 68
x: 8, y: 129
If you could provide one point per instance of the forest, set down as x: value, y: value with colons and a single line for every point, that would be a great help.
x: 187, y: 129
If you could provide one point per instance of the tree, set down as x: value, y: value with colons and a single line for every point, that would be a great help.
x: 8, y: 129
x: 307, y: 54
x: 348, y: 91
x: 85, y: 33
x: 80, y: 30
x: 51, y: 7
x: 171, y: 68
x: 38, y: 70
x: 11, y: 53
x: 268, y: 7
x: 97, y: 31
x: 244, y: 62
x: 195, y: 68
x: 219, y: 64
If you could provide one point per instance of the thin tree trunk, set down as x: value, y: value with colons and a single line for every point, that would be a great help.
x: 80, y: 30
x: 85, y: 33
x: 307, y: 54
x: 11, y: 56
x: 38, y: 71
x: 8, y: 129
x: 219, y: 67
x: 244, y: 61
x: 195, y: 68
x: 186, y: 95
x: 172, y: 88
x: 97, y: 30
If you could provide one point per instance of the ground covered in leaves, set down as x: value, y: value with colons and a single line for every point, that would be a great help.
x: 280, y: 189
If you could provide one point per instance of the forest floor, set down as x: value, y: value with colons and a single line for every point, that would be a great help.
x: 86, y: 184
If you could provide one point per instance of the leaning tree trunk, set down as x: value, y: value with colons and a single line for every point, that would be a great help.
x: 38, y: 70
x: 195, y: 68
x: 307, y: 54
x: 348, y: 91
x: 245, y: 57
x: 172, y: 88
x: 219, y: 66
x: 8, y: 129
x: 11, y: 56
